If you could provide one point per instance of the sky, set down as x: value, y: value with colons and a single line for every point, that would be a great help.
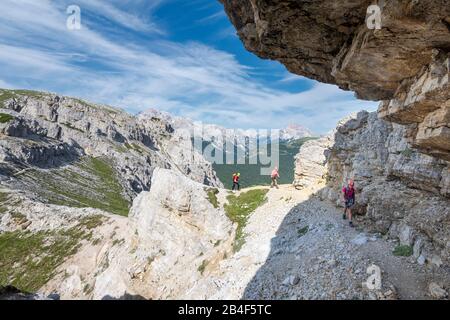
x: 183, y: 57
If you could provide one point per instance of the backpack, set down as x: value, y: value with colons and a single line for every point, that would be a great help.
x: 349, y: 193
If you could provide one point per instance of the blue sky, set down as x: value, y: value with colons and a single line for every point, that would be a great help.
x: 178, y: 56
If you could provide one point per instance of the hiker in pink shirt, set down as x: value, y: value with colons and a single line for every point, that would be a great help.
x: 274, y: 175
x: 349, y: 200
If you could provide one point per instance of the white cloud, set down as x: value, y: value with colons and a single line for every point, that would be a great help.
x: 187, y: 79
x: 113, y: 13
x: 212, y: 17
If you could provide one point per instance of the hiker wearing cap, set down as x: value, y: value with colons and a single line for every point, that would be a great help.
x: 236, y: 185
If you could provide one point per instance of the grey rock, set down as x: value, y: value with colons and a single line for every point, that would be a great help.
x: 421, y: 260
x: 436, y: 291
x: 360, y: 239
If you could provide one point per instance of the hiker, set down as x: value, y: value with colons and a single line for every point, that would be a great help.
x: 274, y: 175
x: 349, y: 200
x: 236, y: 181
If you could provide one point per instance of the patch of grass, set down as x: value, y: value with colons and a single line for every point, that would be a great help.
x: 301, y: 232
x: 135, y: 147
x: 83, y: 103
x: 121, y: 149
x: 201, y: 268
x: 212, y: 197
x: 402, y: 251
x: 91, y: 183
x: 87, y: 289
x: 407, y: 152
x: 6, y: 95
x: 239, y: 209
x: 118, y: 242
x: 150, y: 260
x: 4, y: 117
x: 251, y: 173
x: 92, y: 221
x: 19, y: 217
x: 3, y: 197
x: 70, y: 126
x: 29, y: 260
x: 28, y: 93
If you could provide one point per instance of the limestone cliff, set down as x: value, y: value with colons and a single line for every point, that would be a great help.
x: 70, y: 171
x: 44, y: 131
x: 398, y: 157
x: 172, y: 239
x: 405, y: 63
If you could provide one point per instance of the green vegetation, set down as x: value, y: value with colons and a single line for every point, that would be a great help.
x: 6, y: 95
x: 91, y: 182
x: 91, y: 222
x: 201, y: 268
x: 4, y: 117
x: 120, y: 149
x: 251, y: 173
x: 407, y: 152
x: 19, y: 217
x: 70, y: 126
x: 301, y: 232
x: 28, y: 260
x: 87, y: 289
x: 118, y: 242
x: 239, y: 209
x: 3, y: 198
x: 212, y: 197
x: 403, y: 251
x: 135, y: 147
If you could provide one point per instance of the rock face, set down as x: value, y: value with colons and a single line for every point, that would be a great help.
x: 310, y: 164
x: 330, y: 41
x: 173, y: 237
x: 69, y: 171
x: 49, y: 131
x: 209, y: 132
x: 398, y: 157
x: 400, y: 191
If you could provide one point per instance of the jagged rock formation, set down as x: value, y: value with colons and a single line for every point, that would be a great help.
x: 174, y: 235
x: 209, y: 131
x: 401, y: 161
x: 400, y: 191
x: 310, y: 164
x: 68, y: 170
x: 48, y: 131
x: 330, y: 41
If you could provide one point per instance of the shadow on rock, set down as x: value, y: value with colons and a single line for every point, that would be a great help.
x: 126, y: 296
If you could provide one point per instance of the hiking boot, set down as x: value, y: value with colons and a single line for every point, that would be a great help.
x: 344, y: 216
x: 351, y: 224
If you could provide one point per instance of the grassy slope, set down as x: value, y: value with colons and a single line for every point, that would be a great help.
x: 91, y: 182
x: 4, y: 117
x: 9, y: 94
x: 28, y: 260
x: 239, y: 209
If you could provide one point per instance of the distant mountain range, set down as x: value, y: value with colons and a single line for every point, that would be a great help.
x: 211, y: 131
x: 290, y: 140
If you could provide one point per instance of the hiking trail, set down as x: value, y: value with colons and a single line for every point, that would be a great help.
x: 299, y: 247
